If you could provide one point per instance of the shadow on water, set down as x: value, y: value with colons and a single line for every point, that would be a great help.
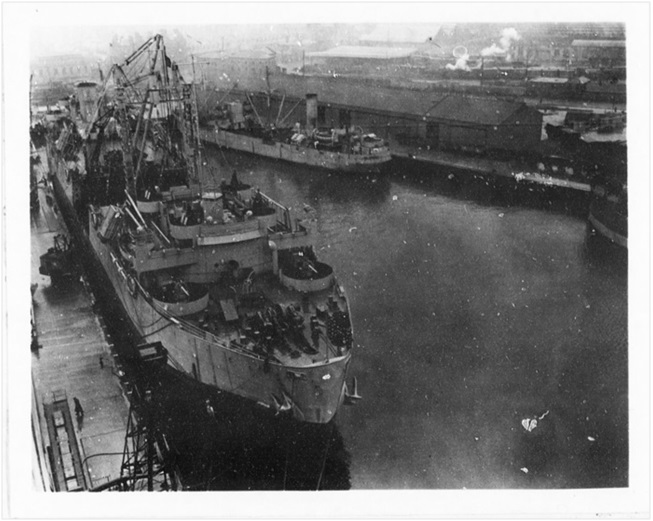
x: 486, y: 189
x: 219, y: 441
x: 222, y: 442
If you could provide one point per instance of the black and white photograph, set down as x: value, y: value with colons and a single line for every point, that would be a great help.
x: 320, y: 260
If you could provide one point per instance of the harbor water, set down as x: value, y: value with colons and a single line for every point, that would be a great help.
x: 491, y: 335
x: 491, y: 345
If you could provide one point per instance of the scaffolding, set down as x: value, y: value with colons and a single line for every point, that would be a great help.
x: 147, y: 462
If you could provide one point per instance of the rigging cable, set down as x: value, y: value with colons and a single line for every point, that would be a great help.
x: 326, y: 452
x: 143, y: 337
x: 285, y: 470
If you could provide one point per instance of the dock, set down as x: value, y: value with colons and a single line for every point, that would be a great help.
x: 510, y: 170
x: 79, y: 447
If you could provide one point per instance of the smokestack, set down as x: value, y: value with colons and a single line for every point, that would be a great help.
x: 311, y: 112
x: 87, y: 98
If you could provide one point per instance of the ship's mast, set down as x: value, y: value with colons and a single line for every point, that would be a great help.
x: 154, y: 110
x: 31, y: 76
x: 121, y: 116
x: 195, y: 122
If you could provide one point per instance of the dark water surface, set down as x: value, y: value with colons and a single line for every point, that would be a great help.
x: 471, y: 314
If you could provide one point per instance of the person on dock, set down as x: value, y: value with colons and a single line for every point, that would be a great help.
x: 79, y: 411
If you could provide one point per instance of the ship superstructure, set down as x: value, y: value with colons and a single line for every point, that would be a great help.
x: 237, y: 125
x: 226, y: 278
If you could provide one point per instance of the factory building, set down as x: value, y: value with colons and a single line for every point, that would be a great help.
x: 546, y: 44
x: 566, y: 44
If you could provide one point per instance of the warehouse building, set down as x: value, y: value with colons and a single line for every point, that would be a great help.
x: 347, y: 59
x: 437, y: 120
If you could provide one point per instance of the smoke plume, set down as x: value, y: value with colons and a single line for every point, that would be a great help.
x: 462, y: 57
x: 461, y: 64
x: 508, y: 36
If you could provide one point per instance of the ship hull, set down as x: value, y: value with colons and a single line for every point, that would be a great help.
x: 310, y: 393
x: 335, y: 161
x: 607, y: 229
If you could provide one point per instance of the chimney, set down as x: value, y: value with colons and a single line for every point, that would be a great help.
x: 311, y: 112
x: 87, y: 98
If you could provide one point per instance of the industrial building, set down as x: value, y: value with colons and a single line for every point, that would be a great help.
x: 360, y: 59
x: 228, y: 68
x: 598, y: 53
x: 561, y: 43
x: 437, y: 120
x: 400, y: 35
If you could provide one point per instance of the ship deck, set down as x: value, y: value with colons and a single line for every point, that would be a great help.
x: 247, y: 318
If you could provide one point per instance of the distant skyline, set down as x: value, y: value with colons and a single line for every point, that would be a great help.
x: 96, y: 40
x: 73, y: 39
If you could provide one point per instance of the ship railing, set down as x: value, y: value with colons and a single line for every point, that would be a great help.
x: 277, y: 206
x: 218, y: 229
x: 119, y: 266
x: 181, y: 193
x: 281, y: 229
x: 283, y: 218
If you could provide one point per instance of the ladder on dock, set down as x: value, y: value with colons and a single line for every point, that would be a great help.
x: 63, y: 450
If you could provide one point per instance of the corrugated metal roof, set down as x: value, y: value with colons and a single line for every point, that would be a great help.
x: 464, y: 34
x: 246, y: 54
x: 251, y: 54
x: 402, y: 102
x: 546, y: 79
x: 467, y: 109
x: 598, y: 43
x: 413, y: 33
x: 382, y: 99
x: 353, y: 51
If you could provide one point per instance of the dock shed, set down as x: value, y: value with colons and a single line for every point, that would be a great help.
x: 483, y: 122
x: 353, y: 58
x: 438, y: 120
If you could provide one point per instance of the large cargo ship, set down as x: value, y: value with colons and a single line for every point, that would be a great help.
x: 608, y: 213
x: 237, y: 125
x: 608, y: 210
x: 223, y: 276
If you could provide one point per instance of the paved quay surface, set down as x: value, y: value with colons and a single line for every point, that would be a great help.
x: 85, y: 451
